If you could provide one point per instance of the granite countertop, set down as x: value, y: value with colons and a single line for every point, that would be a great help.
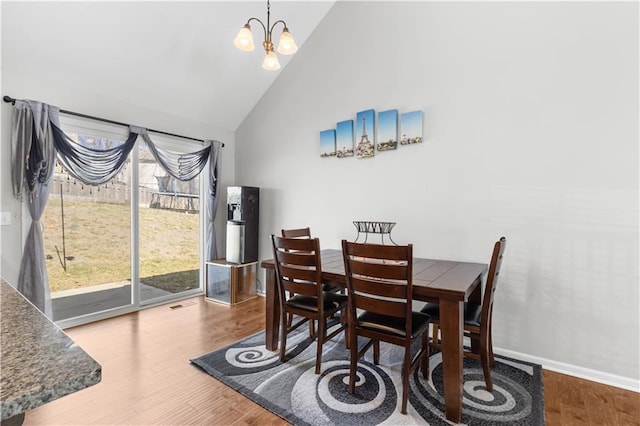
x: 39, y: 363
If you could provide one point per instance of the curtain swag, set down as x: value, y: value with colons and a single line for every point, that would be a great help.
x: 37, y: 140
x: 180, y: 166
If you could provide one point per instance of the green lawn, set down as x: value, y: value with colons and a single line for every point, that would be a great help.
x: 98, y: 237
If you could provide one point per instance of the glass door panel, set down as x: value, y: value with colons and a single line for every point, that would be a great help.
x: 169, y: 228
x: 87, y: 238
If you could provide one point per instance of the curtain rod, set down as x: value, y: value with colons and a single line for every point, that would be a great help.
x: 9, y: 99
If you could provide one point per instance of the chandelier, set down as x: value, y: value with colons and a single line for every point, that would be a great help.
x: 286, y: 45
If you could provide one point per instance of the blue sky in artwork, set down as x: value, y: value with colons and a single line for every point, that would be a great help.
x: 327, y: 141
x: 411, y: 124
x: 370, y: 116
x: 344, y: 134
x: 388, y: 126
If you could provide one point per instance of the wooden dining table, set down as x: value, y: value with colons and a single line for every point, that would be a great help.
x: 449, y: 283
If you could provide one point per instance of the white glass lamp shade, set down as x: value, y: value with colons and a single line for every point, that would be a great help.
x: 271, y: 61
x: 244, y: 39
x: 286, y: 45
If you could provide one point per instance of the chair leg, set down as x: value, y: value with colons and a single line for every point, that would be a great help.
x: 486, y: 368
x: 322, y: 324
x: 283, y: 340
x: 312, y: 333
x: 406, y: 372
x: 475, y: 344
x: 376, y: 352
x: 424, y: 363
x: 436, y: 336
x: 289, y: 320
x: 345, y: 321
x: 290, y: 316
x: 353, y: 358
x: 492, y: 359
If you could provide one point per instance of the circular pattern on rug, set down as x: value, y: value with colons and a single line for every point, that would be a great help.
x: 250, y: 357
x: 324, y: 398
x: 254, y: 358
x: 509, y: 401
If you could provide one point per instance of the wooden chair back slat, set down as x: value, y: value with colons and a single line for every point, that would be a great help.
x: 298, y: 273
x: 296, y: 233
x: 380, y: 306
x: 388, y: 271
x: 300, y: 258
x: 377, y: 251
x: 379, y: 288
x: 295, y: 244
x: 306, y: 288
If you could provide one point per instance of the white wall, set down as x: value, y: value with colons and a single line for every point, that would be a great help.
x: 531, y: 131
x: 61, y: 93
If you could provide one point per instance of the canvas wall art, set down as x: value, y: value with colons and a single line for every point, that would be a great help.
x: 344, y: 139
x: 387, y: 135
x: 363, y: 137
x: 411, y: 127
x: 328, y: 143
x: 365, y: 129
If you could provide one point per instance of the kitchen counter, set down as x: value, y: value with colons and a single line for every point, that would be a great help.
x: 39, y: 363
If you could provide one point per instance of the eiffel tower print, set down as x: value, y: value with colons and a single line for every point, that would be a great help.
x: 365, y: 147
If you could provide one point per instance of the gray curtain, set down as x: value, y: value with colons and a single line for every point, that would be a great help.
x: 212, y: 202
x: 37, y: 138
x: 182, y: 166
x: 88, y: 165
x: 34, y: 154
x: 21, y: 134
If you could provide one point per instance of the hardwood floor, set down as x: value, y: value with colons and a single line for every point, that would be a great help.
x: 147, y: 378
x: 572, y: 401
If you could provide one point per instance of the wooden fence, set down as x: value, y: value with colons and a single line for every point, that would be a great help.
x: 120, y: 193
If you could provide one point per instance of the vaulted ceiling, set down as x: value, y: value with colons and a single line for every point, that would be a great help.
x: 168, y: 56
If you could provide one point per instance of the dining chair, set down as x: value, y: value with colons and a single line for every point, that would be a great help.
x: 379, y: 285
x: 303, y: 233
x: 477, y: 318
x: 299, y: 271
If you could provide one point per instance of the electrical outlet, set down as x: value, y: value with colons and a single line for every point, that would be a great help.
x: 5, y: 218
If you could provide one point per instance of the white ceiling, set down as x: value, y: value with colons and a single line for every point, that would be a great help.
x: 154, y: 53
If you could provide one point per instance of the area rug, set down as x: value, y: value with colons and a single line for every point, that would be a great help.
x: 294, y: 392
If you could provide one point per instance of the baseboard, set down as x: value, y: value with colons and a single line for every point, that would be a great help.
x: 572, y: 370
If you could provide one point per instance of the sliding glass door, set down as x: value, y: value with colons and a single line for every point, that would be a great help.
x: 131, y: 242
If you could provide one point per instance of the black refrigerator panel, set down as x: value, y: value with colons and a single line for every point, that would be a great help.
x: 243, y: 213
